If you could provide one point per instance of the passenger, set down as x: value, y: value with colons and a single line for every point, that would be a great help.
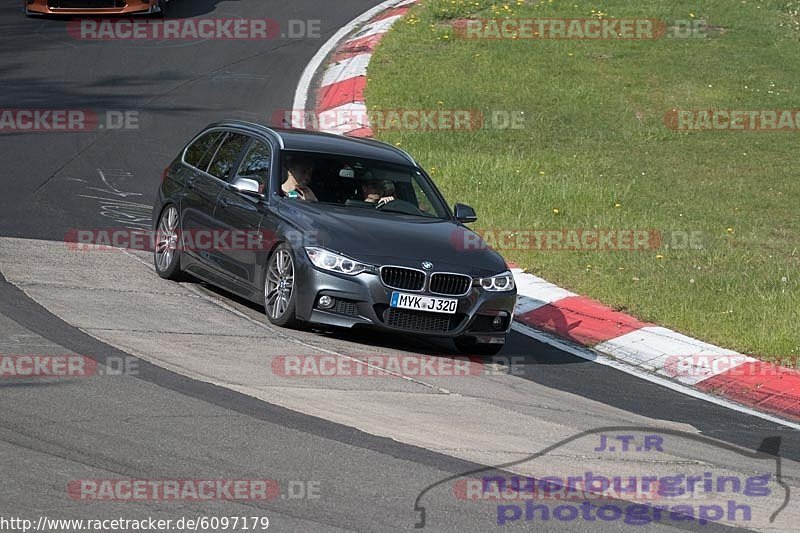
x: 298, y: 180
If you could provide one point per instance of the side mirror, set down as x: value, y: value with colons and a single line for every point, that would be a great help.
x: 465, y: 213
x: 247, y: 186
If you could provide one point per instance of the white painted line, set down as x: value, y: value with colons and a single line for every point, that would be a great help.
x: 594, y: 356
x: 652, y: 347
x: 352, y: 67
x: 526, y: 305
x: 700, y: 367
x: 304, y: 85
x: 375, y: 28
x: 539, y: 289
x: 344, y: 118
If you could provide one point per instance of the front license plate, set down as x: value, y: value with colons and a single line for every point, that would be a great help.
x: 424, y: 303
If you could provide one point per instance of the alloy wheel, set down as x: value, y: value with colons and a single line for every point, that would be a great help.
x: 166, y: 239
x: 280, y: 284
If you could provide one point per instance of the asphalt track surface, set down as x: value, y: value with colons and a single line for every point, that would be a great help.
x: 162, y: 424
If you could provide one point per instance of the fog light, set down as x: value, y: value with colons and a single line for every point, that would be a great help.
x: 499, y: 321
x: 325, y: 302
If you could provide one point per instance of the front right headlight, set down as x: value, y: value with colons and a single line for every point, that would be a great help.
x: 326, y: 260
x: 500, y: 283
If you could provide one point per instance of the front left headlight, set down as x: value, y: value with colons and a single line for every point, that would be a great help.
x: 326, y: 260
x: 500, y: 283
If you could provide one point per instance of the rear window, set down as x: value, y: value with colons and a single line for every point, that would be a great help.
x: 201, y: 151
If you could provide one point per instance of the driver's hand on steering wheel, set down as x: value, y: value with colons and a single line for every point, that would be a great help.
x: 385, y: 200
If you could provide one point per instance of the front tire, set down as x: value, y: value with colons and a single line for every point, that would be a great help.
x: 167, y: 256
x: 280, y: 288
x: 468, y: 346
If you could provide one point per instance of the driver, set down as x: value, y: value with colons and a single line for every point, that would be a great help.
x: 377, y: 191
x: 298, y: 180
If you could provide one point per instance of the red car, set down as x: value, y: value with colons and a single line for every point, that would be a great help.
x: 93, y: 7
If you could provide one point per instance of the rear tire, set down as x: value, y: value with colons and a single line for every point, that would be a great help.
x: 468, y: 346
x: 166, y: 255
x: 280, y: 288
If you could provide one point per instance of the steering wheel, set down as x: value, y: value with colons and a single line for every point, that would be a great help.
x: 401, y: 206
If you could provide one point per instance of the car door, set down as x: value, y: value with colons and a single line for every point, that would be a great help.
x: 205, y: 239
x: 241, y: 214
x: 200, y: 189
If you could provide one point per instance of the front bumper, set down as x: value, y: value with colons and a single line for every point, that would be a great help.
x: 89, y: 7
x: 363, y: 300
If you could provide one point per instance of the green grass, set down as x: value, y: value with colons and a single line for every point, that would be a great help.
x: 594, y: 146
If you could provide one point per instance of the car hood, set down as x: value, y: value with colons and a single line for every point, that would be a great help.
x: 381, y: 238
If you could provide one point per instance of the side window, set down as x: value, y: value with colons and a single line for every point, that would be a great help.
x: 201, y: 151
x: 256, y: 163
x: 227, y: 155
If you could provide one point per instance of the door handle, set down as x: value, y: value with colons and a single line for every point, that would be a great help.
x: 224, y: 203
x: 190, y: 183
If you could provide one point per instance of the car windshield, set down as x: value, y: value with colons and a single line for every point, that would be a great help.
x: 359, y: 184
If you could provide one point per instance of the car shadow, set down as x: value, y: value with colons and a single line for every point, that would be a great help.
x: 193, y: 8
x: 522, y: 354
x: 360, y: 335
